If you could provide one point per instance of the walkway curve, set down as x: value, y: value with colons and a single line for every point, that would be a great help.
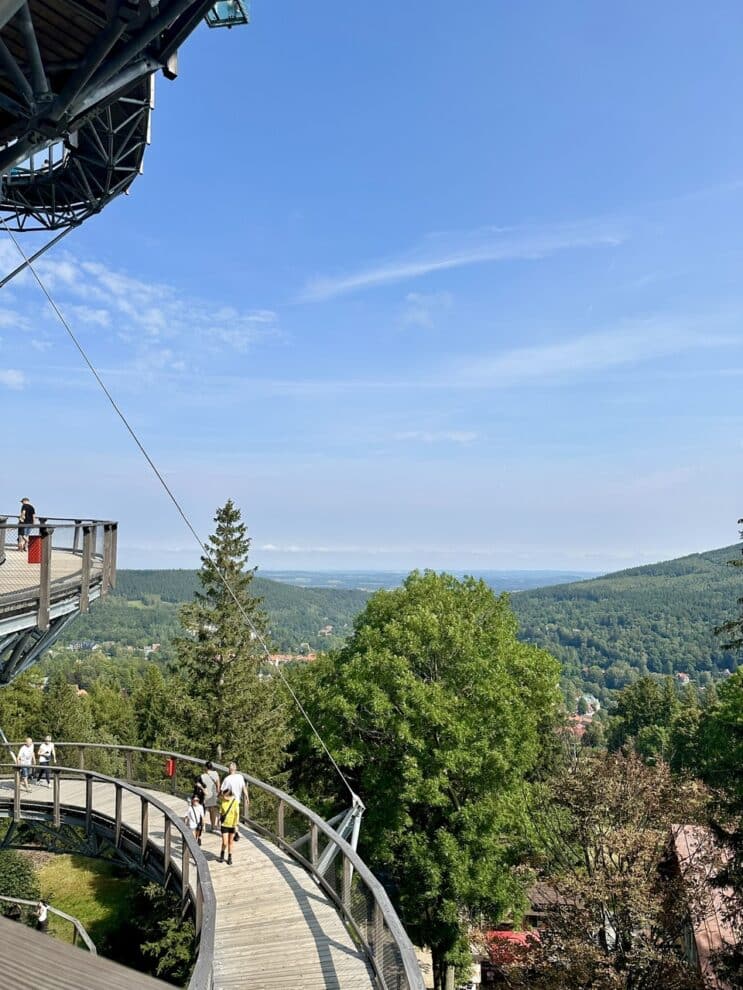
x: 276, y: 928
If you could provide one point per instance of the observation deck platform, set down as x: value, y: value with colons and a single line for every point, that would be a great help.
x: 74, y: 562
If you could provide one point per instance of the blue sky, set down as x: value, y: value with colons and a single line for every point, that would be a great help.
x: 415, y: 285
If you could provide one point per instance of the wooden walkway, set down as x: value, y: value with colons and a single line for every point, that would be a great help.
x: 17, y: 575
x: 275, y: 929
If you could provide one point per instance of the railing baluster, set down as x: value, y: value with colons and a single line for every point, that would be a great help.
x: 313, y: 844
x: 145, y: 829
x: 280, y: 831
x: 17, y: 796
x: 346, y: 883
x: 88, y: 800
x: 45, y: 576
x: 185, y: 865
x: 117, y: 818
x: 86, y: 566
x: 167, y: 849
x: 55, y: 798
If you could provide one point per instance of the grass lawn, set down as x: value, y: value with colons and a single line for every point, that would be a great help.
x: 91, y: 890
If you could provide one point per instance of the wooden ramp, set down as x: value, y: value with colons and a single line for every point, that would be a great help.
x: 275, y: 928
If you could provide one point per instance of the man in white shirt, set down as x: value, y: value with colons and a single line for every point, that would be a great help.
x: 26, y: 760
x: 235, y: 782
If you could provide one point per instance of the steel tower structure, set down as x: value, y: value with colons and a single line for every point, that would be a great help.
x: 76, y: 92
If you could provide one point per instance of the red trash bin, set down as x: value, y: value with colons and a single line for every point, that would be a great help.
x: 34, y: 549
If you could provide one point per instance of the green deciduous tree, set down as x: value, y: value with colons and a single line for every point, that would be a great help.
x: 236, y: 707
x: 435, y: 710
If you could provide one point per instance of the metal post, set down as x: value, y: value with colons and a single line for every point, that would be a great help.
x: 280, y: 820
x: 45, y: 577
x: 144, y: 830
x: 88, y: 802
x: 3, y: 524
x: 346, y: 884
x: 76, y: 537
x: 185, y: 865
x: 167, y: 849
x: 313, y: 844
x: 114, y: 549
x: 87, y: 561
x: 55, y: 798
x: 129, y: 756
x: 17, y: 796
x: 117, y: 814
x: 106, y: 572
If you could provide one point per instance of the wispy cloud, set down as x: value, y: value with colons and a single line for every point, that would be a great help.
x: 633, y: 343
x: 163, y: 326
x: 462, y: 437
x: 421, y: 308
x: 12, y: 379
x: 443, y: 251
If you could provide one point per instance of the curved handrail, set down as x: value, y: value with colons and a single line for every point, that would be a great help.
x: 76, y: 923
x: 383, y: 910
x: 205, y: 900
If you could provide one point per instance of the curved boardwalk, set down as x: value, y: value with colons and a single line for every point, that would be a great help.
x: 275, y: 928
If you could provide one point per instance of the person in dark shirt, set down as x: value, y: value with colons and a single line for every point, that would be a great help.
x: 25, y: 520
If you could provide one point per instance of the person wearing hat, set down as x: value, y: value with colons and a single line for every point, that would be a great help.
x: 195, y: 817
x: 45, y: 755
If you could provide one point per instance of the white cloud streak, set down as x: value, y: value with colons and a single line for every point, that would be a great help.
x: 10, y: 378
x: 441, y: 252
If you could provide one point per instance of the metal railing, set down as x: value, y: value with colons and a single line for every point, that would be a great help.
x: 358, y: 896
x: 78, y: 930
x: 174, y: 853
x: 68, y: 558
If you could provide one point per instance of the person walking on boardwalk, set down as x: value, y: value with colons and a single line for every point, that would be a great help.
x: 236, y: 783
x: 26, y: 760
x: 209, y: 784
x: 229, y: 813
x: 42, y: 916
x: 45, y: 755
x: 25, y: 521
x: 195, y: 817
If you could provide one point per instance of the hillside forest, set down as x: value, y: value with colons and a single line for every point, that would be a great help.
x: 606, y: 632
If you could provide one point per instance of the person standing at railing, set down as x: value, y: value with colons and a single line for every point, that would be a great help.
x: 26, y: 760
x: 42, y: 916
x: 45, y: 755
x: 25, y: 521
x: 236, y: 783
x: 229, y: 814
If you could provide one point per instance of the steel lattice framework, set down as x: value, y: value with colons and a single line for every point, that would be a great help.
x: 76, y: 88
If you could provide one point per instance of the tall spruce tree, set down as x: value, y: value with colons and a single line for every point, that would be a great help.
x: 237, y: 708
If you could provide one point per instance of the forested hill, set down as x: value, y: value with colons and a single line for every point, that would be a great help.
x: 658, y: 618
x: 144, y: 609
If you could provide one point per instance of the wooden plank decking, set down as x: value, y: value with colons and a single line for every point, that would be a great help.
x: 275, y: 929
x: 17, y: 575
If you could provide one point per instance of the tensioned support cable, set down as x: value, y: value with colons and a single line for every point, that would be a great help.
x: 28, y: 263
